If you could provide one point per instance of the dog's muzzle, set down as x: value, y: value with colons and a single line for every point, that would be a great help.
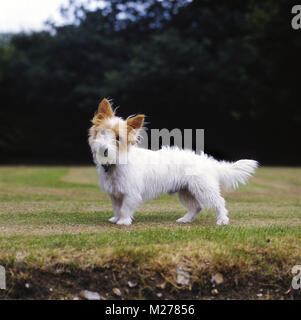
x: 107, y: 167
x: 103, y: 159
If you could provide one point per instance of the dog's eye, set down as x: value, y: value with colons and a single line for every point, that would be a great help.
x: 117, y: 138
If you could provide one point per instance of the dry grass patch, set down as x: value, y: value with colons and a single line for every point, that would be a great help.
x: 54, y: 231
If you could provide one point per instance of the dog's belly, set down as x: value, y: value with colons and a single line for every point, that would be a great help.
x: 153, y: 193
x: 173, y: 191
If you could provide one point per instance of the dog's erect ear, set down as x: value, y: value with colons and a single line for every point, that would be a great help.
x: 104, y: 110
x: 135, y: 123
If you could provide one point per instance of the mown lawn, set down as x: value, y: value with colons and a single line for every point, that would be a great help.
x: 55, y: 239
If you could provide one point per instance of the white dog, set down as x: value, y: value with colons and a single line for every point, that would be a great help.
x: 132, y: 175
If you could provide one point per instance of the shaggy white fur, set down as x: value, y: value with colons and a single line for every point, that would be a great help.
x: 197, y: 178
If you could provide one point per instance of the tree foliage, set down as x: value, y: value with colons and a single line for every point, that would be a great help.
x: 227, y: 66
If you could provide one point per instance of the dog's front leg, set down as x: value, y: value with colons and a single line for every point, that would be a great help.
x: 128, y: 207
x: 116, y: 204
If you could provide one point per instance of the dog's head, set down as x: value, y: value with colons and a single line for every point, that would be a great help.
x: 110, y: 137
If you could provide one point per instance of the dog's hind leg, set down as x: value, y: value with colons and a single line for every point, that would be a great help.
x: 221, y: 211
x: 193, y: 206
x: 209, y: 195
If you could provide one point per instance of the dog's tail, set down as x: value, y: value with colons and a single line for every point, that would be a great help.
x: 232, y: 173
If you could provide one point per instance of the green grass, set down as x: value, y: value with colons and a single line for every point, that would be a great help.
x: 226, y: 236
x: 51, y: 215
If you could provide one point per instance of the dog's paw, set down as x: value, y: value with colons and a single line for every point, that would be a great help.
x: 113, y: 219
x: 124, y: 221
x: 184, y: 220
x: 222, y: 221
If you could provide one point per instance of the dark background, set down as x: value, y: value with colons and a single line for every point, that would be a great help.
x: 229, y: 67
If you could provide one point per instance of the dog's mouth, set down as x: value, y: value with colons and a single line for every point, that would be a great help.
x: 107, y: 167
x: 106, y: 162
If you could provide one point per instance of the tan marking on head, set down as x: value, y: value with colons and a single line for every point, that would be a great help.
x: 134, y: 124
x: 100, y: 125
x: 119, y: 129
x: 126, y: 130
x: 104, y: 111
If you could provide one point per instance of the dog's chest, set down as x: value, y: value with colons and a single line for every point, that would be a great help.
x: 111, y: 182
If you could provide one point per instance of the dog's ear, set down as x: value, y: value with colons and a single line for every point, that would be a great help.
x: 135, y: 123
x: 104, y: 110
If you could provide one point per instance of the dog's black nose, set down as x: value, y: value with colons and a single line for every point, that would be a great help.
x: 105, y: 153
